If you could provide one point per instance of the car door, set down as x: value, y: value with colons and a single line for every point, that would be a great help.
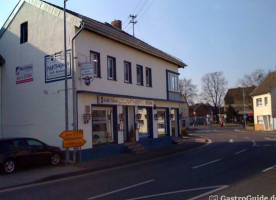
x: 40, y: 154
x: 21, y: 152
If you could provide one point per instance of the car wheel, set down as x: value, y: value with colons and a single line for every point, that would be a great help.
x: 9, y: 166
x: 55, y: 159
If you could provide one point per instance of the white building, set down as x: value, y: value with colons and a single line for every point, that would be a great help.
x: 264, y: 103
x: 135, y: 84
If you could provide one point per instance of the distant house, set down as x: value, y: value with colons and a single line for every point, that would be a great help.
x: 201, y: 113
x: 264, y: 102
x: 234, y: 97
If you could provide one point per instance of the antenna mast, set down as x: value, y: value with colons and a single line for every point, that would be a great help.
x: 133, y: 21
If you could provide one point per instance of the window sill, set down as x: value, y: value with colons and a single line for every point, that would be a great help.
x: 111, y: 79
x: 140, y: 84
x: 128, y: 82
x: 174, y: 91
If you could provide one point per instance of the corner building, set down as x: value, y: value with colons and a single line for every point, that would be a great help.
x: 132, y: 95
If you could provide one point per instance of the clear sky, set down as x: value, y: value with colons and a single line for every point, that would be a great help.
x: 232, y: 36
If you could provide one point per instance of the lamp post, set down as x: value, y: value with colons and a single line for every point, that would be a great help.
x: 65, y: 79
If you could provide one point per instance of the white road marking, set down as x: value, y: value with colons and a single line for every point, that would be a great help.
x: 119, y: 190
x: 265, y: 170
x: 208, y: 163
x: 211, y: 192
x: 231, y: 141
x: 269, y: 138
x: 179, y: 191
x: 267, y: 145
x: 240, y: 151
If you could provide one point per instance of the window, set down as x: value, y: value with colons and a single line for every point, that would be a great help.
x: 173, y: 82
x: 260, y: 120
x: 139, y: 73
x: 111, y: 68
x: 162, y: 122
x: 95, y: 57
x: 265, y: 101
x: 144, y: 122
x: 259, y: 102
x: 102, y: 125
x: 24, y: 32
x: 148, y: 77
x: 127, y: 72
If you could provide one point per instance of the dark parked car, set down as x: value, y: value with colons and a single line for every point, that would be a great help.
x: 15, y: 152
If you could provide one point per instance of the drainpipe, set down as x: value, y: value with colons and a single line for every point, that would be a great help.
x: 75, y: 126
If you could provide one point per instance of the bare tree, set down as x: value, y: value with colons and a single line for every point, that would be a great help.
x: 253, y: 79
x: 213, y: 89
x: 188, y: 90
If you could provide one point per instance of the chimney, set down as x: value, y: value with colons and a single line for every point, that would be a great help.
x: 117, y: 24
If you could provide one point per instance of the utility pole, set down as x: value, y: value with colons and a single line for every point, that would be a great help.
x: 66, y: 80
x: 133, y: 22
x: 244, y: 116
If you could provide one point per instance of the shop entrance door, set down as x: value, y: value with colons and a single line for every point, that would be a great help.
x: 174, y: 119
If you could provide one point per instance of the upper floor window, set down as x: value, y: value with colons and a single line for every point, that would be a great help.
x: 139, y: 73
x: 259, y: 102
x: 265, y: 101
x: 148, y: 77
x: 95, y: 58
x: 127, y: 72
x: 173, y: 82
x: 24, y: 32
x: 111, y: 68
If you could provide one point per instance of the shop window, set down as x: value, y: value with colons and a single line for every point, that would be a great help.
x: 111, y: 68
x: 148, y: 77
x: 139, y: 74
x: 102, y: 125
x: 127, y: 72
x: 95, y: 58
x: 162, y: 122
x: 144, y: 122
x: 24, y: 32
x: 260, y: 120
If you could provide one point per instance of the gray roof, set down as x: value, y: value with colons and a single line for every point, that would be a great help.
x: 266, y: 86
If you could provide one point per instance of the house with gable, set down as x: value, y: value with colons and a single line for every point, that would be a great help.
x: 120, y: 89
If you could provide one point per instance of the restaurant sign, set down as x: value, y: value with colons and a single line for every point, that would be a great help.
x: 124, y: 101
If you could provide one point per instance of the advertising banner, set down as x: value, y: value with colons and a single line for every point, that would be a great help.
x: 24, y: 74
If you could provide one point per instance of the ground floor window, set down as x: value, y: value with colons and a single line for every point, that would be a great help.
x: 162, y: 122
x: 102, y: 125
x: 260, y: 120
x: 144, y: 122
x: 174, y: 118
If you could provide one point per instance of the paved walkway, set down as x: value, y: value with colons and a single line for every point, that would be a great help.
x: 33, y: 175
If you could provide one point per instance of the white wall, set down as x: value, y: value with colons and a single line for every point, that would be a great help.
x: 87, y: 41
x: 33, y: 109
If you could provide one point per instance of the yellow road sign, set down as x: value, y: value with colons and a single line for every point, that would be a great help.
x: 71, y: 134
x: 73, y: 143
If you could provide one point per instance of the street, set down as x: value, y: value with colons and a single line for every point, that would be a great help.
x: 233, y: 163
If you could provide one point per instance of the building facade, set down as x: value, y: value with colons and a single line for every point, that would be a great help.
x: 121, y: 87
x: 264, y: 101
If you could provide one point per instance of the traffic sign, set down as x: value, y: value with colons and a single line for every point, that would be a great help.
x: 73, y: 143
x: 71, y: 134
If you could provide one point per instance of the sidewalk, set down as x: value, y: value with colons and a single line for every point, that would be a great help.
x: 47, y: 173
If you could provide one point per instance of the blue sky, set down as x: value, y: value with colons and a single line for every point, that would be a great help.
x: 232, y: 36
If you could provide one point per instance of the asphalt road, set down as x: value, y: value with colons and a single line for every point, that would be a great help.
x: 234, y: 164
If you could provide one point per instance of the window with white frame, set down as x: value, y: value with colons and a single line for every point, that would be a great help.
x: 259, y: 102
x: 148, y: 77
x: 127, y: 72
x: 265, y: 101
x: 95, y: 58
x: 111, y: 68
x: 260, y: 120
x: 173, y: 82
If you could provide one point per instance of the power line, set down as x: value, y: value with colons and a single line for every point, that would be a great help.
x: 146, y: 10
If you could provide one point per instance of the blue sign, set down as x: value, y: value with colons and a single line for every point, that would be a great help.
x: 245, y: 114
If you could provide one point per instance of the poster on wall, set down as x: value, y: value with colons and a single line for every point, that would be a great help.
x: 55, y: 67
x: 24, y: 74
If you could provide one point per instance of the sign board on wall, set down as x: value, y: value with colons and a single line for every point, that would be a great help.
x: 55, y: 67
x: 124, y: 101
x: 24, y: 74
x: 87, y: 72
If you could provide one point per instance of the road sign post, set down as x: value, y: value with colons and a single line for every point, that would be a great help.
x: 72, y: 139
